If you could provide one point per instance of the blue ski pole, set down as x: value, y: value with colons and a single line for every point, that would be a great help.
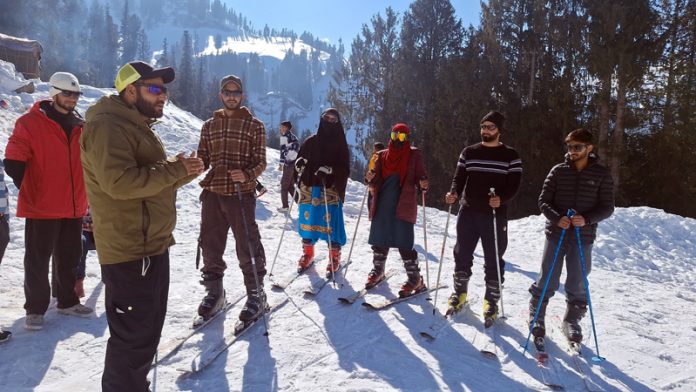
x: 597, y: 358
x: 546, y: 286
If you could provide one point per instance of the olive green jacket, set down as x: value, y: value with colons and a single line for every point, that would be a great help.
x: 131, y: 184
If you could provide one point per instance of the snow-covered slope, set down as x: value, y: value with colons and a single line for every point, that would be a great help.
x: 642, y: 284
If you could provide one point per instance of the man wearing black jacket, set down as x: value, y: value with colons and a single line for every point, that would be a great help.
x: 482, y: 166
x: 584, y: 186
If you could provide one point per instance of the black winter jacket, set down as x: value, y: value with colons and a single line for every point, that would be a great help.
x: 590, y: 192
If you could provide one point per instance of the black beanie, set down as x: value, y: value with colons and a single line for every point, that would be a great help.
x: 287, y: 124
x: 496, y: 118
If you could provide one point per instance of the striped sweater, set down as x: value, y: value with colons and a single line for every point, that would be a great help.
x: 480, y: 168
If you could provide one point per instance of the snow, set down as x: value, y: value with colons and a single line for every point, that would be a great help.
x: 272, y: 47
x: 642, y: 286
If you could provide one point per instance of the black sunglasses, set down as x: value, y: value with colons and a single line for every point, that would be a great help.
x: 68, y: 93
x: 231, y: 93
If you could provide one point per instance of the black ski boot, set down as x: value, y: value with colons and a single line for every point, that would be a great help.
x: 414, y: 284
x: 214, y: 300
x: 490, y: 303
x: 539, y: 328
x: 571, y: 321
x: 254, y: 306
x: 379, y: 260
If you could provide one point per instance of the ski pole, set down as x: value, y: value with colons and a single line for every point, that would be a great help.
x: 282, y: 233
x: 546, y: 285
x: 497, y: 259
x: 442, y: 256
x: 328, y: 228
x: 597, y: 358
x: 198, y: 246
x: 357, y: 225
x: 253, y: 258
x: 425, y: 244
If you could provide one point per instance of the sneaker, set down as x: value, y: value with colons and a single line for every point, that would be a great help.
x: 5, y: 336
x: 409, y: 288
x: 456, y: 302
x: 261, y: 192
x: 34, y: 322
x: 79, y: 287
x: 374, y: 277
x: 77, y: 310
x: 283, y: 210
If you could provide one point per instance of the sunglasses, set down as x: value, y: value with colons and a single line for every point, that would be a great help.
x: 398, y: 135
x: 576, y: 147
x: 153, y: 88
x: 68, y: 93
x: 231, y: 93
x: 488, y: 127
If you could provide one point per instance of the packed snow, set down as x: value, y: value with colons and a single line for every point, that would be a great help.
x: 642, y: 284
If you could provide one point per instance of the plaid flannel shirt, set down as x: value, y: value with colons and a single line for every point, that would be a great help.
x: 232, y: 142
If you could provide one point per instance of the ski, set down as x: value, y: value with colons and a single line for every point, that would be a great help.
x: 442, y: 322
x: 166, y: 351
x: 317, y: 286
x: 287, y: 282
x: 351, y: 300
x: 574, y: 349
x: 394, y: 301
x: 545, y: 364
x: 489, y: 349
x: 205, y: 358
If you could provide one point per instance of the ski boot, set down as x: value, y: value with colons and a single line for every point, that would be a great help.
x: 414, y: 284
x: 334, y: 262
x: 377, y: 274
x: 539, y: 328
x: 490, y: 303
x: 571, y: 321
x: 214, y: 300
x: 254, y: 306
x: 457, y: 300
x: 307, y: 257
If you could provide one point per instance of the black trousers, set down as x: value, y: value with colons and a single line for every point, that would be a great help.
x: 4, y: 235
x: 472, y: 226
x: 136, y: 303
x: 43, y: 238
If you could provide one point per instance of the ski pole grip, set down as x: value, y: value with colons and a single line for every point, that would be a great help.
x: 491, y: 192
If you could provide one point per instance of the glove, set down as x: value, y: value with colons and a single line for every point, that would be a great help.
x: 300, y: 164
x: 323, y: 171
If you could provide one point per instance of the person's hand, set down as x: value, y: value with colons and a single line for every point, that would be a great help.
x: 323, y: 171
x: 494, y: 201
x: 423, y: 183
x: 192, y: 163
x: 237, y: 175
x: 370, y: 175
x: 451, y: 197
x: 564, y: 223
x: 578, y: 220
x: 280, y: 167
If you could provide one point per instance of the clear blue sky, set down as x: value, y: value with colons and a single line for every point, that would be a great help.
x: 333, y: 19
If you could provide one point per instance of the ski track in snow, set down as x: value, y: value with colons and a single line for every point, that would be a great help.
x: 642, y: 286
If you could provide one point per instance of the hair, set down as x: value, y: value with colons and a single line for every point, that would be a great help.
x: 379, y: 146
x: 287, y: 124
x: 581, y: 135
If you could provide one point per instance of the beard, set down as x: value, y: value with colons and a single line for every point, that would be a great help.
x: 489, y: 138
x: 69, y: 107
x: 148, y: 109
x: 232, y: 105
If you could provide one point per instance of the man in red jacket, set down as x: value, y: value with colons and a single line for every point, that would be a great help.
x: 43, y: 159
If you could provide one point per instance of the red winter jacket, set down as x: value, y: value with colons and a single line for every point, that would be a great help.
x: 53, y: 186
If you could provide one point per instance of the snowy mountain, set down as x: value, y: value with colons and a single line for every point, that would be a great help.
x: 642, y: 285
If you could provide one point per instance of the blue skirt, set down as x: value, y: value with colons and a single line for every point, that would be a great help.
x: 312, y: 222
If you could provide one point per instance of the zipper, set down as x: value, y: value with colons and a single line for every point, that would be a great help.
x: 72, y: 180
